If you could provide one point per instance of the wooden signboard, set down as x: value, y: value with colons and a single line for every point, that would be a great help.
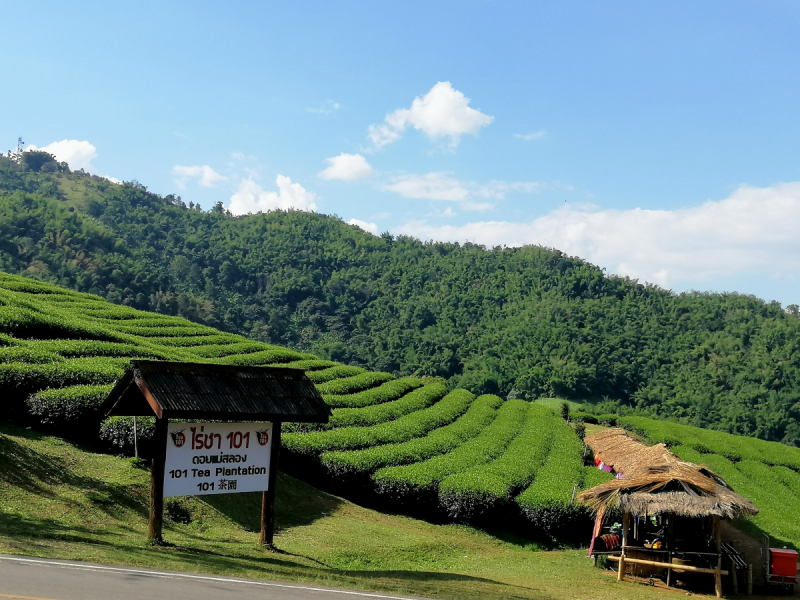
x: 217, y: 458
x: 207, y: 454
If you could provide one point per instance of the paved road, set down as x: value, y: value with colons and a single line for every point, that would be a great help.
x: 24, y: 578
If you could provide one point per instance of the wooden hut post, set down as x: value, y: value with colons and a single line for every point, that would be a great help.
x: 626, y: 521
x: 156, y: 519
x: 718, y: 541
x: 670, y: 546
x: 268, y: 497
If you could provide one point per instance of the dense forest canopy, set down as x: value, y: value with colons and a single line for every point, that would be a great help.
x: 524, y: 322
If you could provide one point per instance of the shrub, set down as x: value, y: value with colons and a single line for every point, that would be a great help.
x: 198, y: 341
x: 337, y: 372
x: 118, y: 432
x: 77, y: 371
x: 309, y: 364
x: 405, y: 428
x: 220, y: 350
x: 390, y: 390
x: 444, y: 439
x: 90, y: 348
x: 67, y: 405
x: 488, y: 445
x: 562, y: 471
x: 483, y: 487
x: 271, y: 355
x: 187, y: 331
x: 733, y: 447
x: 356, y: 383
x: 414, y: 401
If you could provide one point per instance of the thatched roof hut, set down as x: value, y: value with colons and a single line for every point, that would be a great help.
x: 655, y: 481
x: 682, y: 489
x: 651, y: 482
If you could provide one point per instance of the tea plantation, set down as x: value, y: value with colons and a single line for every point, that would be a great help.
x: 409, y: 443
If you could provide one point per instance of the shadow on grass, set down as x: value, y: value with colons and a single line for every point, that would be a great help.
x: 36, y: 473
x: 26, y: 528
x: 296, y: 504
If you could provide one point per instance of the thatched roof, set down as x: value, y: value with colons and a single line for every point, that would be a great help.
x: 656, y: 481
x: 626, y: 454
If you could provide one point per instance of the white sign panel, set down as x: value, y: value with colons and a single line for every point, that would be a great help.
x: 217, y: 458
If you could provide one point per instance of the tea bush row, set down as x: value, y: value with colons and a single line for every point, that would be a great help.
x: 356, y: 383
x: 416, y: 400
x: 405, y: 428
x: 309, y: 364
x: 734, y: 447
x: 145, y: 332
x: 331, y: 373
x: 78, y: 371
x: 67, y: 405
x: 391, y: 390
x: 559, y: 477
x: 483, y: 487
x: 488, y: 445
x: 199, y: 341
x: 221, y: 350
x: 480, y: 415
x: 273, y: 355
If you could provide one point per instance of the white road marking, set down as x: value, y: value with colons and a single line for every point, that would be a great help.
x: 166, y: 575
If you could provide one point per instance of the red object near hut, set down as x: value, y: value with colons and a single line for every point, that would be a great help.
x: 783, y: 565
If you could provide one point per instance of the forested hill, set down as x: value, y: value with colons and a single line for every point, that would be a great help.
x: 527, y: 322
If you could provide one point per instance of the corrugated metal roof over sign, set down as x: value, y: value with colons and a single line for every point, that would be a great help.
x: 207, y: 391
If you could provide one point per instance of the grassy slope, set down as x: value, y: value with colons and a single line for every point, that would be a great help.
x: 59, y: 501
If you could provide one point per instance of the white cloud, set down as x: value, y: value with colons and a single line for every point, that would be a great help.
x: 368, y: 227
x: 252, y: 198
x: 528, y: 137
x: 205, y: 175
x: 431, y: 186
x: 441, y: 186
x: 443, y: 112
x: 446, y: 213
x: 753, y: 230
x: 328, y: 109
x: 346, y: 167
x: 78, y: 154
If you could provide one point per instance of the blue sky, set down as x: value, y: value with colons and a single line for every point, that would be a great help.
x: 659, y: 140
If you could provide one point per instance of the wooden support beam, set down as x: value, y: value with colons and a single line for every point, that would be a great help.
x: 268, y: 497
x: 626, y: 522
x: 663, y: 565
x: 718, y: 540
x: 156, y: 520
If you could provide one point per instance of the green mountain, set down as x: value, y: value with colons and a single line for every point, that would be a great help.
x: 524, y: 322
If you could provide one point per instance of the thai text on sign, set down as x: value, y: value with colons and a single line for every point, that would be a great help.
x: 217, y: 458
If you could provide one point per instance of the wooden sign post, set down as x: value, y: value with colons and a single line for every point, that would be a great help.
x: 268, y: 496
x: 156, y: 520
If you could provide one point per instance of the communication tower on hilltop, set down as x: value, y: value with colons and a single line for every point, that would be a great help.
x: 20, y: 145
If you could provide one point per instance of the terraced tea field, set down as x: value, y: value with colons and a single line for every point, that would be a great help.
x: 409, y: 441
